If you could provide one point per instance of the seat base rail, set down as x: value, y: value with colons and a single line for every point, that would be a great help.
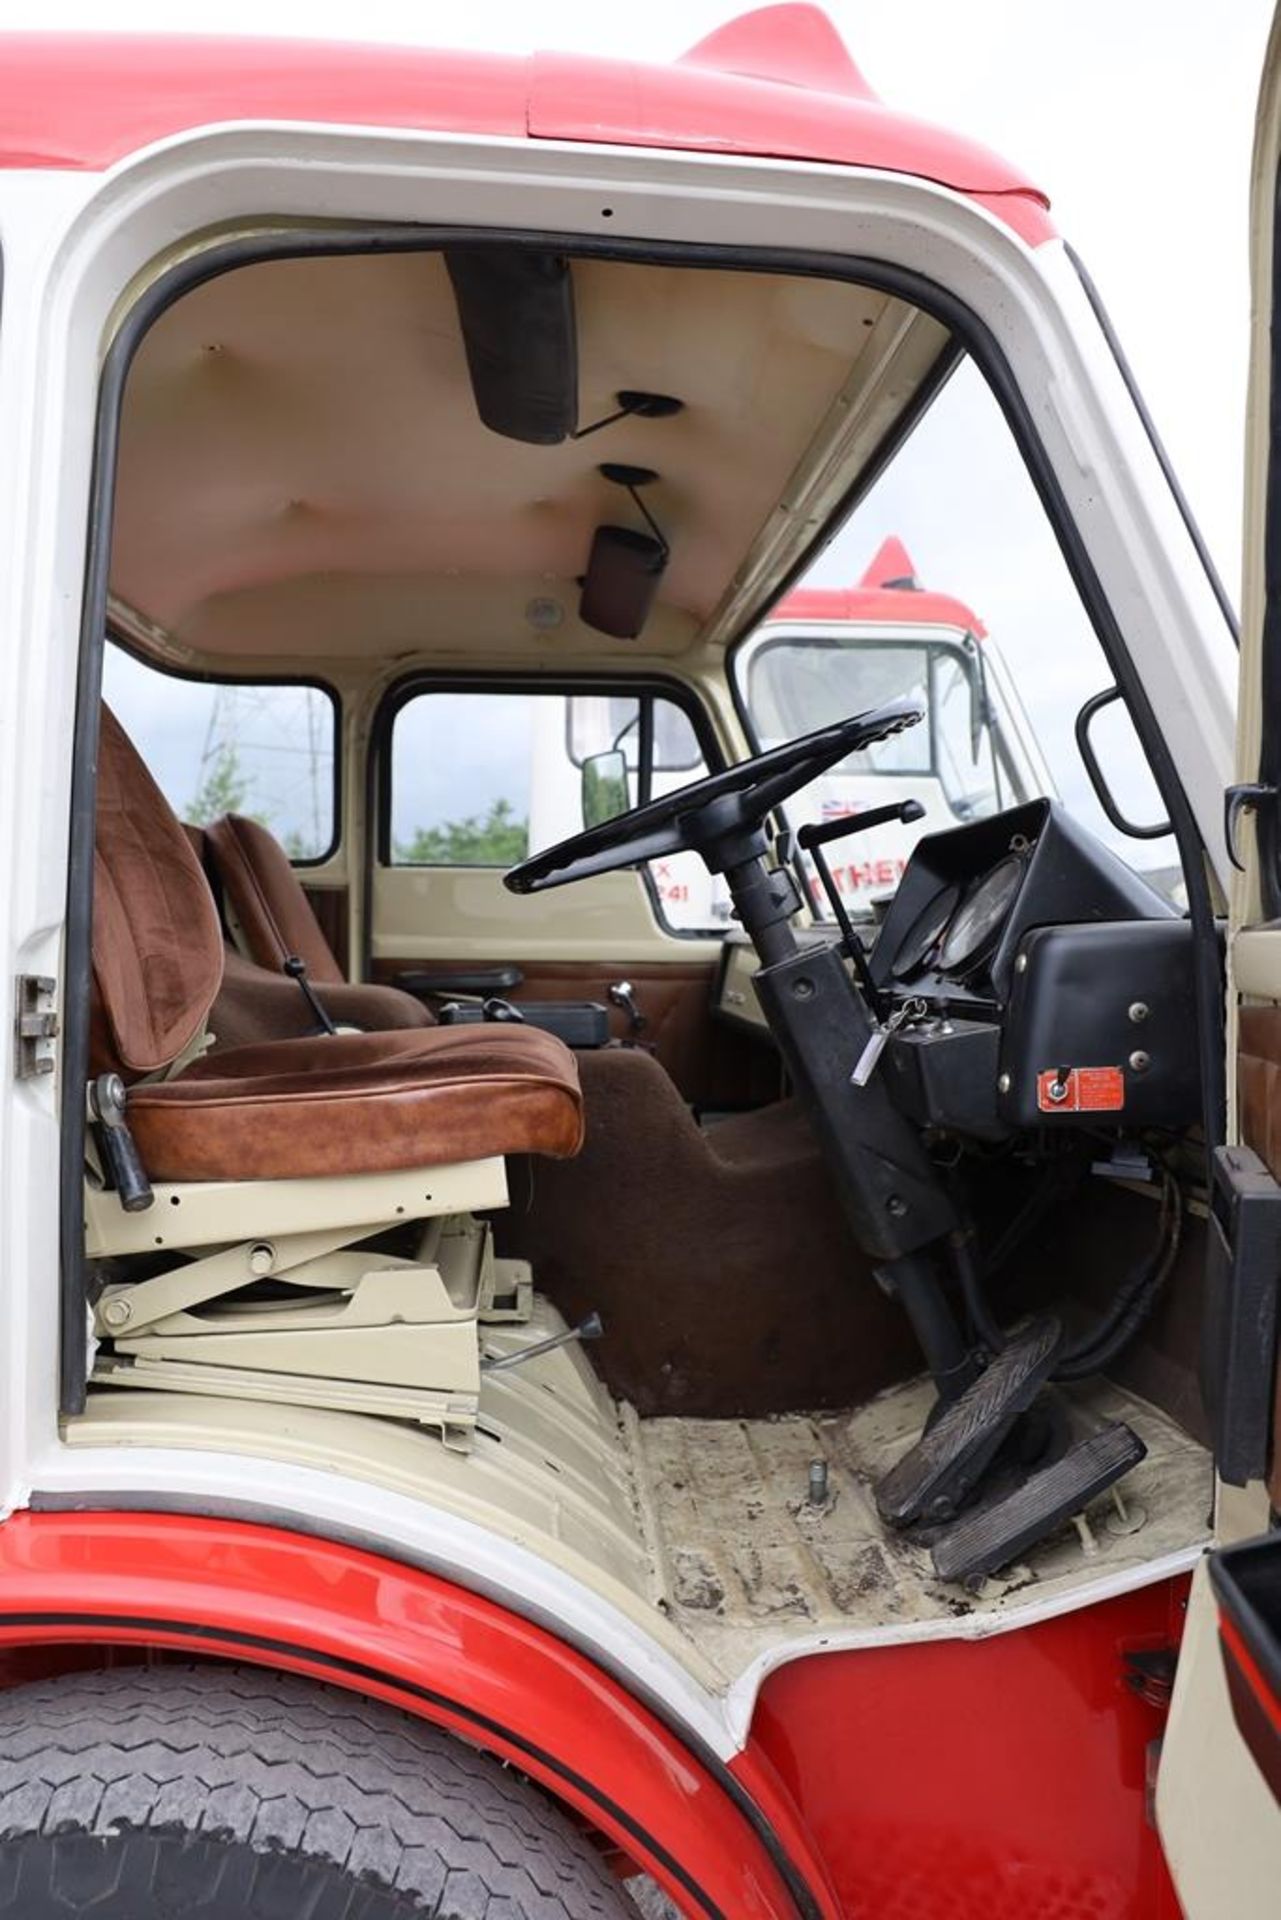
x: 306, y: 1320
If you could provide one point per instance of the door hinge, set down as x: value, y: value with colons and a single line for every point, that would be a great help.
x: 36, y: 1025
x: 1236, y: 801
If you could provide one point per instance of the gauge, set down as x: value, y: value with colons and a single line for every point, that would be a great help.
x: 979, y: 916
x: 924, y: 934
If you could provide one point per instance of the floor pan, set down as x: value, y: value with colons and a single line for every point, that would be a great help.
x: 701, y: 1531
x: 746, y: 1559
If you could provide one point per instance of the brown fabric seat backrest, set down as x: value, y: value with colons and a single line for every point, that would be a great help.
x: 262, y: 891
x: 157, y: 944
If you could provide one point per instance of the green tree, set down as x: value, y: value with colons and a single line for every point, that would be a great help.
x: 497, y: 840
x: 224, y: 789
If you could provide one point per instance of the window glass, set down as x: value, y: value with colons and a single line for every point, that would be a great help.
x: 800, y: 682
x: 946, y: 585
x: 601, y: 721
x: 215, y: 748
x: 482, y: 779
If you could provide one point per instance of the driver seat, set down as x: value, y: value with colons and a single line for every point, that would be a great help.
x: 293, y: 1149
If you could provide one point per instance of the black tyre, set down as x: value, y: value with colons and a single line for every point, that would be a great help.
x: 229, y: 1793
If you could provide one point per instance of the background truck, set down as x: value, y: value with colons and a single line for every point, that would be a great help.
x: 826, y: 647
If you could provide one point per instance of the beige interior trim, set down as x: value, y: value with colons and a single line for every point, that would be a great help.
x: 303, y: 470
x: 1254, y: 973
x: 902, y: 349
x: 1256, y: 962
x: 438, y: 913
x: 698, y: 1531
x: 1219, y: 1823
x: 214, y: 1212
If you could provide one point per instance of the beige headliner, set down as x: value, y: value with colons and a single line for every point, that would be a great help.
x: 303, y: 471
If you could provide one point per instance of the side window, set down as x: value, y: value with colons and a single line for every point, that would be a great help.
x: 227, y: 747
x: 481, y: 779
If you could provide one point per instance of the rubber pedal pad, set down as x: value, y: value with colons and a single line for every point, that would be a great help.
x: 992, y: 1536
x: 935, y: 1477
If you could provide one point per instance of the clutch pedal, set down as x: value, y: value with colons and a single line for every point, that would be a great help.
x: 996, y: 1534
x: 933, y: 1479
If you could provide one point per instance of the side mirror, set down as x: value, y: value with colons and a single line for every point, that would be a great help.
x: 605, y: 792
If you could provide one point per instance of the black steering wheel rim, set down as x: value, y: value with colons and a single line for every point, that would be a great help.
x: 737, y: 799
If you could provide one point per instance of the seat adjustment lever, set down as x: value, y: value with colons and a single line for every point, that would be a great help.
x: 107, y: 1098
x: 589, y: 1328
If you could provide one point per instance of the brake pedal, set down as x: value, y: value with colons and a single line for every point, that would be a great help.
x: 933, y: 1479
x: 994, y: 1535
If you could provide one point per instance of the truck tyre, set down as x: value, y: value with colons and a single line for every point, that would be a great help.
x: 233, y: 1793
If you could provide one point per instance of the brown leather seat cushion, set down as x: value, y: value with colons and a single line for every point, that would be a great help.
x: 360, y: 1103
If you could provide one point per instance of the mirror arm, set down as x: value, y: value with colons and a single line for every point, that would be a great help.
x: 1098, y: 779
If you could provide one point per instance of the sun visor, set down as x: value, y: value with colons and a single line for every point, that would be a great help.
x: 516, y: 310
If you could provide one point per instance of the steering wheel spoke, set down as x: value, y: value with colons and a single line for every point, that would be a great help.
x: 720, y: 817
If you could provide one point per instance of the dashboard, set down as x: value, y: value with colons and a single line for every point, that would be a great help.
x: 1032, y: 980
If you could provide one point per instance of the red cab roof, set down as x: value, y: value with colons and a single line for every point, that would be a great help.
x: 889, y: 594
x: 777, y: 83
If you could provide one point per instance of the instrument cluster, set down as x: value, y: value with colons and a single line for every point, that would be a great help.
x: 968, y: 896
x: 1009, y: 969
x: 960, y: 925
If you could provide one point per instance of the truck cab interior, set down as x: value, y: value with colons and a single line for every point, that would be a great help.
x: 833, y: 1264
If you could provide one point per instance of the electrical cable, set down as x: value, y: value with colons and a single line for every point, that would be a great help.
x: 1136, y: 1298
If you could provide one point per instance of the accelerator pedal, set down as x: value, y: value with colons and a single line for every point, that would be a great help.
x: 994, y: 1535
x: 933, y: 1479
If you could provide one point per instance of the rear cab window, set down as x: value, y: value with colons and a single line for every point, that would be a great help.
x: 264, y: 749
x: 486, y: 777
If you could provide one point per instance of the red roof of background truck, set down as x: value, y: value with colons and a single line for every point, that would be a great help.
x: 888, y: 594
x: 778, y: 82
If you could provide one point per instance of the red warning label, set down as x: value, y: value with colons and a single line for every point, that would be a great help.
x: 1081, y: 1090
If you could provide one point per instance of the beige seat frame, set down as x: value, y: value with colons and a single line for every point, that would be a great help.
x: 369, y: 1332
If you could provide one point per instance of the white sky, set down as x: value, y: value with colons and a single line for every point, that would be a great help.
x: 1135, y: 115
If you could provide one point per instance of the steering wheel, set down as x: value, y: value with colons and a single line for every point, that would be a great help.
x: 719, y: 817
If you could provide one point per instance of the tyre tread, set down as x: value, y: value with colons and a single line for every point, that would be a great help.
x: 378, y: 1801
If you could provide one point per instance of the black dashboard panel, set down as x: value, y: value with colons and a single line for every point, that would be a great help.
x: 1102, y: 1027
x: 969, y: 896
x: 1049, y: 986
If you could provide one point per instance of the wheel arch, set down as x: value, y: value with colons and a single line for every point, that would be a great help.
x: 724, y: 1844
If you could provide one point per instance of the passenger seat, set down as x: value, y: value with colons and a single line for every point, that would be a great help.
x: 272, y: 919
